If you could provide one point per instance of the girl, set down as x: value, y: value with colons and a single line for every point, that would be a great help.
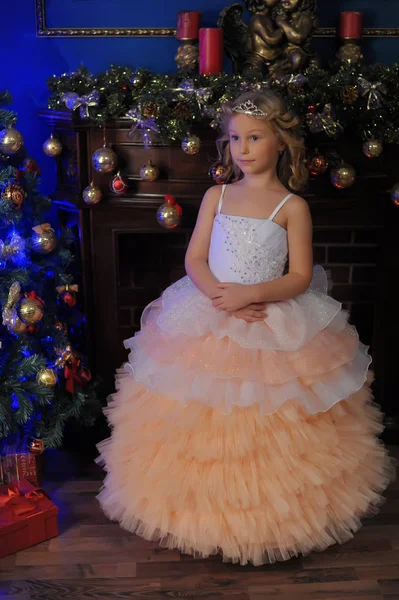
x: 243, y: 423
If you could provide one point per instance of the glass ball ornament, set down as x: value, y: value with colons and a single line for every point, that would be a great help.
x: 317, y: 164
x: 13, y: 193
x: 44, y: 241
x: 47, y: 377
x: 169, y: 214
x: 343, y: 176
x: 30, y: 310
x: 372, y: 148
x: 191, y: 144
x: 218, y: 173
x: 92, y: 194
x: 149, y: 172
x: 118, y: 184
x: 52, y: 147
x: 69, y: 298
x: 104, y: 160
x: 11, y: 141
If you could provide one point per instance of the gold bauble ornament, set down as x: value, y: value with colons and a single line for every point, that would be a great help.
x: 30, y: 310
x: 191, y: 144
x: 44, y: 239
x: 344, y: 176
x: 149, y: 172
x: 104, y: 160
x: 349, y: 94
x: 350, y: 53
x: 47, y: 377
x: 187, y: 57
x: 372, y: 148
x: 10, y: 141
x: 52, y: 147
x: 92, y: 194
x: 395, y: 194
x: 169, y: 214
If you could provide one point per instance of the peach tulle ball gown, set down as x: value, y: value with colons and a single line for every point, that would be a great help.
x: 258, y: 441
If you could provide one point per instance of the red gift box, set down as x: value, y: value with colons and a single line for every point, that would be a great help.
x: 21, y: 465
x: 27, y: 517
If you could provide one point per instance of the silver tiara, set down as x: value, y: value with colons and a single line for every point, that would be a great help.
x: 249, y: 108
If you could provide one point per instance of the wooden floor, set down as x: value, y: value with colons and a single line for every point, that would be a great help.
x: 93, y: 558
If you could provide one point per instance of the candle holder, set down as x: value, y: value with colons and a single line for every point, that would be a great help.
x: 187, y: 32
x: 350, y: 32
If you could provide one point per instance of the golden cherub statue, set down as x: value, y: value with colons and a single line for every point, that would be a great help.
x: 277, y: 38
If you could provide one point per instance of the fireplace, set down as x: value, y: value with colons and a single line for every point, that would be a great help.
x: 128, y: 259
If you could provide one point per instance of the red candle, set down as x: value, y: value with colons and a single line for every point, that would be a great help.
x: 210, y: 51
x: 188, y: 24
x: 350, y: 25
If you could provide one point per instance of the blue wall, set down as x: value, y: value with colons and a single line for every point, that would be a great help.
x: 27, y: 61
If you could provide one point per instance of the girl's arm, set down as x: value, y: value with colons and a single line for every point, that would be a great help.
x: 196, y: 260
x: 299, y: 276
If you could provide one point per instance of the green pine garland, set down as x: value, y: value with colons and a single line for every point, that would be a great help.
x: 181, y: 101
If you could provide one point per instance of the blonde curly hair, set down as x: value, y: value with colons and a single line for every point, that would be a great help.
x: 291, y: 169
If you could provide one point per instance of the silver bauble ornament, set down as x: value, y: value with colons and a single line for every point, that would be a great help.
x: 372, y: 148
x: 104, y: 160
x: 92, y: 194
x: 343, y: 176
x: 44, y: 240
x: 52, y: 147
x: 10, y: 141
x: 149, y: 172
x: 191, y: 144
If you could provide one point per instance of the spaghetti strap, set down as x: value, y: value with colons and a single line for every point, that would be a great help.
x: 221, y: 199
x: 279, y: 206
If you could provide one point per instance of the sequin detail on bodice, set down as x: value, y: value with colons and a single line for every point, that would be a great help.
x: 246, y: 250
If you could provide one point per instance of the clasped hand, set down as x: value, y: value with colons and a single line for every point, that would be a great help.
x: 236, y: 299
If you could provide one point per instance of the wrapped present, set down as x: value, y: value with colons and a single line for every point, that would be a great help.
x: 27, y: 517
x: 21, y: 465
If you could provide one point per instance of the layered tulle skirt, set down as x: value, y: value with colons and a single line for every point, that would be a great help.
x: 258, y: 441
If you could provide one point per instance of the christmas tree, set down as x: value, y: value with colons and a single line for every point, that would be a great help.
x: 44, y: 375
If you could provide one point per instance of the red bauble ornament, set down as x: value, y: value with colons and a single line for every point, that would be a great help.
x: 311, y: 109
x: 14, y: 193
x: 31, y: 166
x: 317, y: 164
x: 60, y: 326
x: 123, y: 87
x: 173, y: 202
x: 118, y: 184
x: 36, y: 446
x: 84, y: 375
x: 69, y: 298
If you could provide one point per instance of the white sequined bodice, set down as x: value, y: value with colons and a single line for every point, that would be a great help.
x: 247, y: 250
